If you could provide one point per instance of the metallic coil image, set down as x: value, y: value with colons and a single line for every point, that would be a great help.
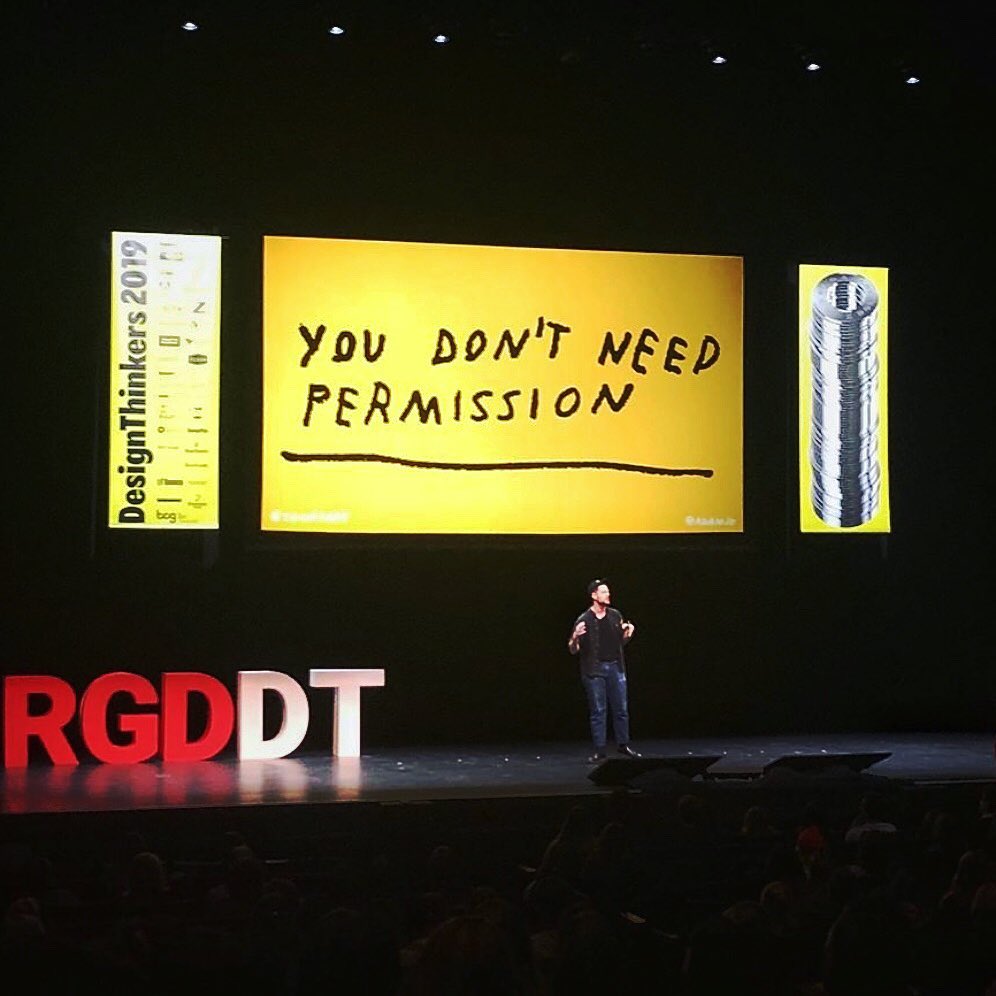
x: 843, y: 451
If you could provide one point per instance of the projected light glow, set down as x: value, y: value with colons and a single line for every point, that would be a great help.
x: 164, y: 374
x: 843, y: 438
x: 440, y: 389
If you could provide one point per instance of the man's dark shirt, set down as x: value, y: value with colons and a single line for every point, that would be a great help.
x: 609, y: 640
x: 591, y: 650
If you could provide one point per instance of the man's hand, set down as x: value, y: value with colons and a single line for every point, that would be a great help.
x: 579, y: 631
x: 628, y: 629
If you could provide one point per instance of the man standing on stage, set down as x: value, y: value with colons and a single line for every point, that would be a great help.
x: 599, y: 635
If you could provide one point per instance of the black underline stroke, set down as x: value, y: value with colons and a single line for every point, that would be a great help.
x: 632, y: 468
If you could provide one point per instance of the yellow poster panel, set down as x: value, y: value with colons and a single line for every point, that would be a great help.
x: 457, y: 389
x: 165, y: 367
x: 843, y: 399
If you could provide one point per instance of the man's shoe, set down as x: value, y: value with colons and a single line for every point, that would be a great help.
x: 596, y: 757
x: 628, y: 751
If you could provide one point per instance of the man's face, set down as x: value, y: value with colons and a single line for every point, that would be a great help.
x: 601, y: 595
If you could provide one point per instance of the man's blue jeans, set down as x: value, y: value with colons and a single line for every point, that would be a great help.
x: 606, y: 689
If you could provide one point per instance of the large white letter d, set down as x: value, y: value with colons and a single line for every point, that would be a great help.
x: 252, y: 746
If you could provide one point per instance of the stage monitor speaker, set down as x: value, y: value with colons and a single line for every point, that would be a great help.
x: 624, y: 770
x: 825, y: 764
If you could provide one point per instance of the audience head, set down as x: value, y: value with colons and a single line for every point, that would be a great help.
x: 693, y: 811
x: 868, y: 953
x: 349, y: 951
x: 147, y: 875
x: 757, y: 822
x: 470, y: 955
x: 734, y: 953
x: 244, y: 875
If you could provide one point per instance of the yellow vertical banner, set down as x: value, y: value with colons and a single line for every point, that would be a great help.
x: 429, y: 388
x: 164, y: 380
x: 843, y: 399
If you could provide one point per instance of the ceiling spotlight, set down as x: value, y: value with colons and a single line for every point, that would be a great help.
x: 912, y: 80
x: 189, y: 26
x: 336, y: 30
x: 813, y: 67
x: 441, y: 39
x: 719, y: 60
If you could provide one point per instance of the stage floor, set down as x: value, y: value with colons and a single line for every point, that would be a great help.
x: 438, y: 773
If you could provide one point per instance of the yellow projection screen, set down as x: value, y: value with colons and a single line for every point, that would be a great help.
x: 843, y: 399
x: 414, y: 388
x: 165, y: 346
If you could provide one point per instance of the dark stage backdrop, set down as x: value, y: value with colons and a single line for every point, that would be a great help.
x: 604, y: 128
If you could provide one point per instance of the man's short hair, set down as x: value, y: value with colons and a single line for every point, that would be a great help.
x: 593, y: 586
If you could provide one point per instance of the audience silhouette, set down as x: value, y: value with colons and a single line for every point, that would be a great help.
x: 677, y: 892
